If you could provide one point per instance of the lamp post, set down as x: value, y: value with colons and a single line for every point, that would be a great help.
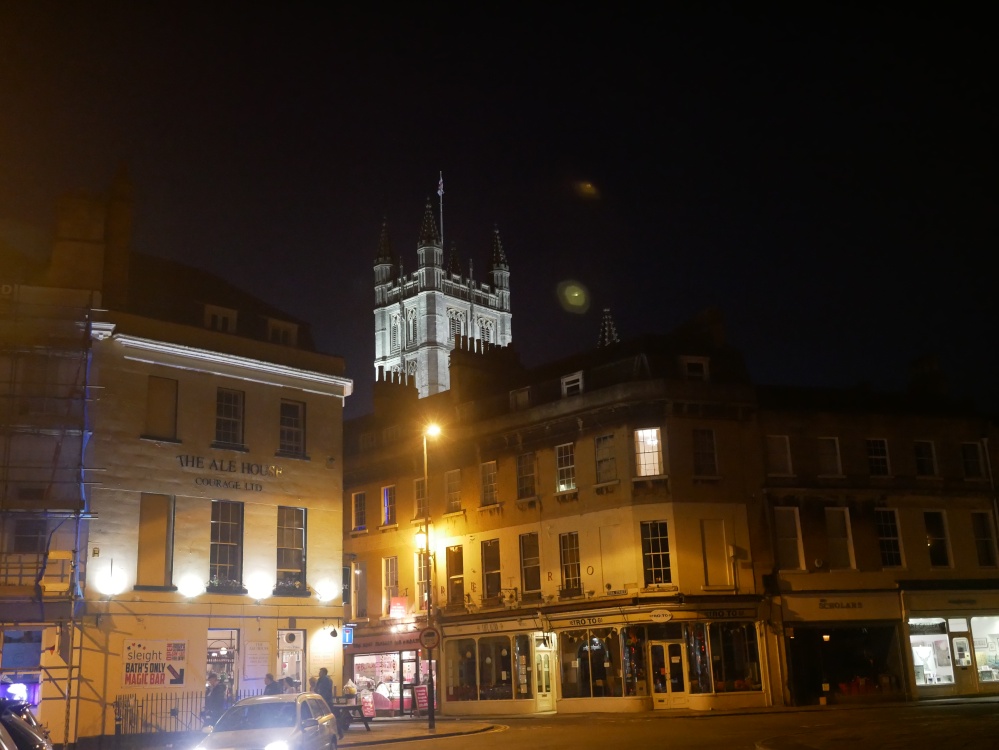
x: 432, y: 430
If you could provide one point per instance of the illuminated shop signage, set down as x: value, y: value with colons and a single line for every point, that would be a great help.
x: 229, y: 473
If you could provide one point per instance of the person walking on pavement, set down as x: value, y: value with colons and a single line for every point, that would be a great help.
x: 271, y: 686
x: 324, y: 686
x: 214, y: 699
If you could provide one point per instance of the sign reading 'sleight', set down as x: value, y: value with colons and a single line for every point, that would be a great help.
x: 154, y: 664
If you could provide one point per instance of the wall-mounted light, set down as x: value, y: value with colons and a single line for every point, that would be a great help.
x: 190, y: 585
x: 326, y: 590
x: 825, y: 637
x: 259, y: 585
x: 111, y: 582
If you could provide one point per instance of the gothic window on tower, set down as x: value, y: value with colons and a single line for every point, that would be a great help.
x: 394, y: 329
x: 456, y: 324
x: 411, y: 324
x: 411, y: 368
x: 486, y: 330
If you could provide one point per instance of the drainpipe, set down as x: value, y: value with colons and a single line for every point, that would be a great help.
x: 992, y: 484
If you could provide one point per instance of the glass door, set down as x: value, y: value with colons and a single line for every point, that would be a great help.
x: 543, y: 676
x: 669, y: 674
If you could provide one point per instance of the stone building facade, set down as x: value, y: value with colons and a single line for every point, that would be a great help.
x: 171, y: 486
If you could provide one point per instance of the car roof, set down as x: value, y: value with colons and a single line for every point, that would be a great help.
x: 279, y: 698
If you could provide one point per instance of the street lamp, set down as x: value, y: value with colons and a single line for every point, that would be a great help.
x: 432, y: 430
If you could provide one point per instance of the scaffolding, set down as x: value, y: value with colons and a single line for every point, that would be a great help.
x: 44, y: 495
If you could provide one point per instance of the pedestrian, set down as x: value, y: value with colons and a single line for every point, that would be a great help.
x: 214, y: 699
x: 324, y: 686
x: 289, y: 685
x: 271, y: 686
x: 312, y: 683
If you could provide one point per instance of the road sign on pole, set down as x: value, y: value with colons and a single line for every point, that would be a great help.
x: 430, y: 638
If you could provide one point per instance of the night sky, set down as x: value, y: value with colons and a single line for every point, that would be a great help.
x: 822, y: 173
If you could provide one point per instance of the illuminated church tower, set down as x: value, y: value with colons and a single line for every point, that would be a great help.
x: 421, y: 316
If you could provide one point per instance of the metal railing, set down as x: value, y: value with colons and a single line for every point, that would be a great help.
x: 138, y: 713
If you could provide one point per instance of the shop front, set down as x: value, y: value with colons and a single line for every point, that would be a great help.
x: 387, y: 666
x: 843, y: 647
x: 661, y: 658
x: 953, y: 642
x: 498, y: 667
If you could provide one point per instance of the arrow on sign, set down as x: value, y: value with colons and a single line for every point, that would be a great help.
x: 178, y: 677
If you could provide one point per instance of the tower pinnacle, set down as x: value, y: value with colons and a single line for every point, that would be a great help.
x: 428, y: 230
x: 608, y: 331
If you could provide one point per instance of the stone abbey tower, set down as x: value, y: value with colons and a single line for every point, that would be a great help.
x: 419, y: 315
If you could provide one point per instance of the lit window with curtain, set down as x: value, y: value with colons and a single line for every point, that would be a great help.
x: 388, y: 506
x: 565, y: 467
x: 648, y: 452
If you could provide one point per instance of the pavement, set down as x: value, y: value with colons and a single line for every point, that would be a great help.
x: 404, y: 729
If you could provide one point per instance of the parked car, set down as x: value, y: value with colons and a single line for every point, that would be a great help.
x: 6, y: 741
x: 25, y: 736
x: 22, y: 709
x: 297, y: 722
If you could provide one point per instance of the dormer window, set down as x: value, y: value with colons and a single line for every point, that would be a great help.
x: 220, y: 319
x: 282, y: 332
x: 572, y: 385
x: 695, y: 368
x: 520, y: 398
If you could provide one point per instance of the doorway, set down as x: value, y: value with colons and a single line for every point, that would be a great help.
x: 669, y: 674
x: 543, y: 675
x: 291, y: 657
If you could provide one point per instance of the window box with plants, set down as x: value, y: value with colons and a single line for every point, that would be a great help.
x: 291, y: 587
x: 225, y: 586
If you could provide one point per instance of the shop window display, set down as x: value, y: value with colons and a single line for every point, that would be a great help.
x: 523, y: 687
x: 634, y: 674
x: 698, y: 663
x: 591, y: 663
x: 461, y: 658
x: 495, y: 677
x: 379, y: 674
x: 735, y: 657
x: 495, y: 667
x: 985, y: 641
x: 931, y: 656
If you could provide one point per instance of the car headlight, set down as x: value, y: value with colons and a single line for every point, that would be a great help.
x: 276, y: 745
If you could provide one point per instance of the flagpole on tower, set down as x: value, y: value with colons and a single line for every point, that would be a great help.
x: 440, y: 194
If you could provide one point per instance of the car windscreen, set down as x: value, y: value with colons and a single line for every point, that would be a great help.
x: 257, y: 716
